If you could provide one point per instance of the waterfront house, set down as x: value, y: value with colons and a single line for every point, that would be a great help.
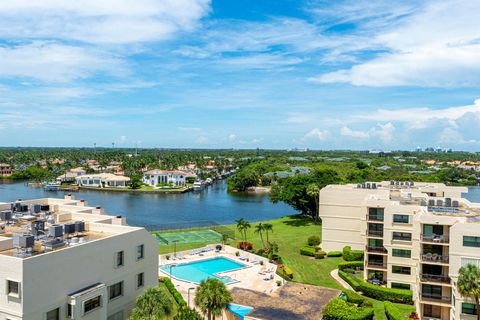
x: 72, y: 261
x: 102, y: 180
x: 5, y: 170
x: 71, y: 174
x: 158, y: 177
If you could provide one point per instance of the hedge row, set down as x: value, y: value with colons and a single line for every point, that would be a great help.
x: 352, y: 255
x: 173, y: 291
x: 392, y: 312
x: 308, y: 251
x: 338, y: 309
x: 356, y: 298
x: 377, y: 292
x: 334, y: 254
x: 356, y: 265
x: 320, y: 254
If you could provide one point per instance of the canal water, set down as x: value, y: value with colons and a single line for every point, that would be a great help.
x: 214, y: 205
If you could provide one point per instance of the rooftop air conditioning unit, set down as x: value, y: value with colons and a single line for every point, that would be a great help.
x: 79, y: 226
x: 23, y: 240
x: 69, y: 228
x: 6, y: 215
x: 56, y: 230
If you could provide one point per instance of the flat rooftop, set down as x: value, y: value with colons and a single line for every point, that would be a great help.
x: 293, y: 301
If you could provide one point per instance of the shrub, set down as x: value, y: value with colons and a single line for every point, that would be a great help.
x: 245, y: 245
x: 352, y: 255
x: 173, y: 291
x: 313, y: 240
x: 286, y: 272
x: 349, y: 270
x: 386, y: 294
x: 350, y: 279
x: 393, y: 313
x: 307, y: 251
x: 334, y: 254
x: 355, y: 265
x: 354, y: 297
x: 237, y: 253
x: 320, y: 254
x: 279, y: 283
x: 338, y: 309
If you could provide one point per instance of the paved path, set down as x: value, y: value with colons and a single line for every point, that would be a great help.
x: 342, y: 282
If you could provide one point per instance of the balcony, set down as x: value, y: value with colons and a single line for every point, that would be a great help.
x: 375, y: 218
x: 435, y: 278
x: 375, y: 249
x: 435, y: 238
x: 376, y: 265
x: 434, y: 258
x: 375, y: 233
x: 436, y: 298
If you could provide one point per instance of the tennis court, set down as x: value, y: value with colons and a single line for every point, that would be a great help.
x: 194, y: 236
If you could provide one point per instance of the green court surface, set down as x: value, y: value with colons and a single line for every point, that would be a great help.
x: 196, y: 236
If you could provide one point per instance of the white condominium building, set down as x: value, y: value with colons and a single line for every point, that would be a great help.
x: 60, y: 259
x: 415, y: 236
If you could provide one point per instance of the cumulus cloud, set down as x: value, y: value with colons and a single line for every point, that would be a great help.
x: 383, y: 131
x: 437, y: 46
x: 347, y: 132
x: 317, y: 134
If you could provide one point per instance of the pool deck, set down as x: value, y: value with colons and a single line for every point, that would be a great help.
x: 246, y: 278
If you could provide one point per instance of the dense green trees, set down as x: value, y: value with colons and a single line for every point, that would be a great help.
x: 211, y: 297
x: 295, y: 190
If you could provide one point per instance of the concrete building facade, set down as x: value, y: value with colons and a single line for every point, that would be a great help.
x: 157, y: 177
x: 5, y: 170
x: 415, y: 235
x: 91, y: 272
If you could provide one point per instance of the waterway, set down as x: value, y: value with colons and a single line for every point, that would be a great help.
x: 214, y: 205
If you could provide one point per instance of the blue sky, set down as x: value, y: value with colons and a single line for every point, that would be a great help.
x: 240, y: 74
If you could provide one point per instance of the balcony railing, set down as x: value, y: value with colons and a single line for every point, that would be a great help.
x: 375, y: 264
x: 435, y: 257
x: 402, y: 238
x: 435, y: 238
x: 436, y: 298
x: 375, y: 233
x: 372, y: 217
x: 435, y: 278
x: 376, y: 249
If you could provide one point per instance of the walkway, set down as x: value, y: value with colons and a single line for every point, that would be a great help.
x: 342, y: 282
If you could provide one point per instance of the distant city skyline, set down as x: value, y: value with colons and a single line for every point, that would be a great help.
x: 240, y: 74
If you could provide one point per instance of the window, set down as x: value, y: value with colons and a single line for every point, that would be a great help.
x: 13, y: 288
x: 403, y: 236
x: 400, y: 270
x: 140, y: 280
x: 473, y: 261
x: 398, y: 285
x: 140, y: 252
x: 469, y: 308
x: 92, y: 304
x: 375, y: 214
x: 400, y: 218
x: 115, y: 290
x: 119, y: 259
x: 69, y: 310
x: 471, y: 241
x: 53, y: 314
x: 402, y: 253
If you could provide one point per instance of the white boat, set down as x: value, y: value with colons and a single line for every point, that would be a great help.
x: 198, y: 185
x: 51, y: 186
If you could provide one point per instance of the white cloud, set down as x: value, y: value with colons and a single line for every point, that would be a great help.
x: 347, y: 132
x: 232, y: 137
x: 384, y: 131
x: 106, y: 21
x: 55, y: 62
x: 436, y: 47
x: 317, y: 134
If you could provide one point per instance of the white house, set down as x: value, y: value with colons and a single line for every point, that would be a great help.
x: 163, y: 177
x: 71, y: 174
x: 102, y: 180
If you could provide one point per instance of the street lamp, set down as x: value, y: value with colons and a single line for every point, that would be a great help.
x: 188, y: 296
x: 174, y: 248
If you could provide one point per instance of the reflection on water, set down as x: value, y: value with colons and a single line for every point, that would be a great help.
x: 146, y: 209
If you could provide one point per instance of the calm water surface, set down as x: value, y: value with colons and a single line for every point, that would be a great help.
x: 154, y: 211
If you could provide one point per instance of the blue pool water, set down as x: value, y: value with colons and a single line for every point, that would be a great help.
x: 239, y: 310
x: 201, y: 270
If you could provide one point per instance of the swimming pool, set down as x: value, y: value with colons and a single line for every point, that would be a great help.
x: 201, y: 270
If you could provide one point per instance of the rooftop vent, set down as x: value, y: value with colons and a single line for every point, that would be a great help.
x: 6, y: 215
x: 69, y: 227
x: 23, y: 240
x: 56, y: 230
x: 79, y: 226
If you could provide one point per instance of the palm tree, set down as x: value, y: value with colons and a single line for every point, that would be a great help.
x: 247, y: 226
x: 153, y: 304
x: 314, y: 191
x: 468, y: 284
x: 241, y: 227
x: 268, y: 227
x: 212, y: 297
x: 259, y: 229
